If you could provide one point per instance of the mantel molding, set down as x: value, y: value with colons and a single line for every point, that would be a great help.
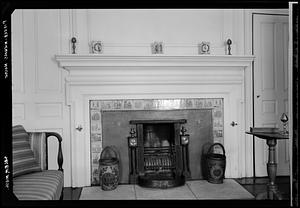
x: 77, y: 61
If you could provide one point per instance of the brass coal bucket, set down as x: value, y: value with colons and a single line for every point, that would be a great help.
x: 109, y: 169
x: 216, y: 164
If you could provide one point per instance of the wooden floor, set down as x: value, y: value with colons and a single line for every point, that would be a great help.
x: 254, y: 186
x: 259, y: 185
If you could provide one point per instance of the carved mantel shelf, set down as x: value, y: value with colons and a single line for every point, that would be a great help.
x: 95, y: 60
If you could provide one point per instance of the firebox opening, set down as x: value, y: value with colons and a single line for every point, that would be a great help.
x: 158, y: 135
x: 161, y: 155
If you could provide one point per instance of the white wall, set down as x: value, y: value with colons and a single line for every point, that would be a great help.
x: 38, y: 83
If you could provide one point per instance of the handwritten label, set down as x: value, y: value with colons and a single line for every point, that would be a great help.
x: 5, y: 48
x: 6, y: 171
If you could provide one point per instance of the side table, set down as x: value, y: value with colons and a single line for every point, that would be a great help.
x: 271, y: 139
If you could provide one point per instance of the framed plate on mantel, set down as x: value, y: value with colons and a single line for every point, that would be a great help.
x: 204, y: 48
x: 96, y: 47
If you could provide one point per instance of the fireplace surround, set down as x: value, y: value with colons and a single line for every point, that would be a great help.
x: 110, y: 124
x: 100, y: 77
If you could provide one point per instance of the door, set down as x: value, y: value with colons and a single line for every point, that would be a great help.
x: 270, y: 47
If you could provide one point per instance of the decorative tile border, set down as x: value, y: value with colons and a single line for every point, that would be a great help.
x: 96, y: 106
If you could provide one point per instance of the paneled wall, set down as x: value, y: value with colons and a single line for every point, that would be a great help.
x: 37, y: 35
x: 38, y: 83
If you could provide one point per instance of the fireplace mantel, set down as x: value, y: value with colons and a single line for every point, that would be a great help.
x: 104, y: 77
x: 72, y: 61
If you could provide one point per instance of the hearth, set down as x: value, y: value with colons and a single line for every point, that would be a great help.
x: 158, y: 153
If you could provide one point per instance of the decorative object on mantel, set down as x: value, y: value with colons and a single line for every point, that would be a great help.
x: 284, y: 119
x: 204, y: 48
x: 229, y: 42
x: 96, y: 47
x: 157, y: 47
x: 216, y: 164
x: 73, y: 41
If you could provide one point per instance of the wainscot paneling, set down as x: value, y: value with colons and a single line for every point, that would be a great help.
x: 49, y: 110
x: 38, y: 89
x: 18, y: 111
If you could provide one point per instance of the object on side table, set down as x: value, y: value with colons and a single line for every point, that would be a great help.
x: 284, y: 119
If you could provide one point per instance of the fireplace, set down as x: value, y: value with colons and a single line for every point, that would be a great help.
x: 158, y: 153
x: 123, y: 82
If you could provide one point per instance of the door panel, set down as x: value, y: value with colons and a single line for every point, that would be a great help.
x: 270, y: 47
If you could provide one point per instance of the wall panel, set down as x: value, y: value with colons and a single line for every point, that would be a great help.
x: 18, y: 48
x: 40, y: 105
x: 18, y: 111
x: 48, y: 75
x: 49, y: 110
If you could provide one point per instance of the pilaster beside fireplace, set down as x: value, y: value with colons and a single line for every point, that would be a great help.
x: 159, y: 77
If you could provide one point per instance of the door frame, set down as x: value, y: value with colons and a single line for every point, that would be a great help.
x: 248, y: 49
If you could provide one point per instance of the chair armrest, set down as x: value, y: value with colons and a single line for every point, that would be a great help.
x: 40, y: 143
x: 59, y: 155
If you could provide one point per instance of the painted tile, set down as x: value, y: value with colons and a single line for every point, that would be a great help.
x: 128, y: 104
x: 95, y: 170
x: 182, y: 104
x: 199, y: 103
x: 148, y: 104
x: 189, y: 103
x: 94, y: 104
x: 208, y: 103
x: 95, y: 158
x: 218, y: 113
x: 107, y: 105
x: 117, y: 104
x: 138, y: 104
x: 95, y: 127
x: 96, y: 137
x: 96, y: 146
x: 95, y: 115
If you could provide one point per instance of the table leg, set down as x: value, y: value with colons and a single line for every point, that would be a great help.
x: 273, y: 192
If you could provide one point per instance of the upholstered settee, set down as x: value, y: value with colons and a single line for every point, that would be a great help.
x: 31, y: 178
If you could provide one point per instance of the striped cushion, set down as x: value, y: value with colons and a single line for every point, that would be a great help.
x: 37, y: 141
x: 44, y: 185
x: 23, y: 157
